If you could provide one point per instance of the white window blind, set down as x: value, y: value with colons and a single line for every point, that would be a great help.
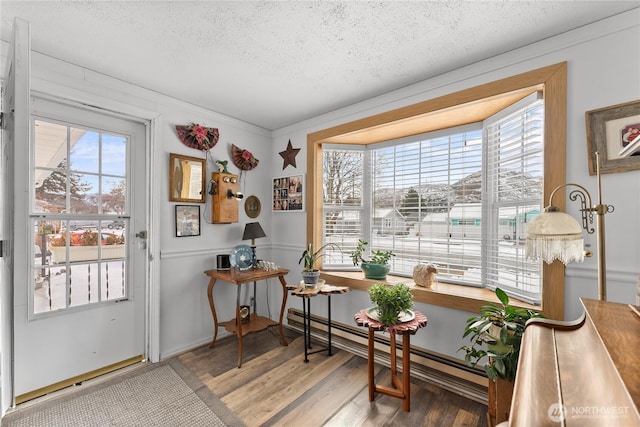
x: 458, y: 198
x: 342, y: 190
x: 426, y: 201
x: 514, y: 195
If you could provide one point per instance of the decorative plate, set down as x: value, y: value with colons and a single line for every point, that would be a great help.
x: 405, y: 316
x: 252, y: 206
x: 241, y: 256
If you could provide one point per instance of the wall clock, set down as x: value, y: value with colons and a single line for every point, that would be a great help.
x: 252, y: 206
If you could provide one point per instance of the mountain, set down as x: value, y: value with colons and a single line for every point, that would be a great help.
x: 513, y: 185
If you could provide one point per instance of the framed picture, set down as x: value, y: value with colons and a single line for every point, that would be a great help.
x: 187, y: 220
x: 288, y: 194
x: 186, y: 179
x: 614, y: 132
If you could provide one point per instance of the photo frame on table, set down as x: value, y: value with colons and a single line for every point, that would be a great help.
x: 614, y: 132
x: 288, y: 194
x: 187, y: 220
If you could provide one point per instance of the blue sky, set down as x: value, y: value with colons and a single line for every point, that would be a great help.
x: 85, y: 158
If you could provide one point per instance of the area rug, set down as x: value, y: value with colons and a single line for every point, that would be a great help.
x: 165, y: 394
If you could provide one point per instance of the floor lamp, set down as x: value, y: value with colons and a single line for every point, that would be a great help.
x: 556, y: 235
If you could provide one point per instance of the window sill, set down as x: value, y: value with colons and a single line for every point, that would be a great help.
x: 442, y: 294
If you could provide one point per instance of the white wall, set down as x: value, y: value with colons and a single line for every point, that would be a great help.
x: 598, y: 75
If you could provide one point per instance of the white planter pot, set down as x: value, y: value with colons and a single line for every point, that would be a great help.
x: 310, y: 277
x: 85, y: 253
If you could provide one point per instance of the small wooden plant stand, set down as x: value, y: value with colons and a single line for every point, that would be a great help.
x: 401, y: 386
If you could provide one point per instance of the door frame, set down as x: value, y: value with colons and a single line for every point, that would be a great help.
x: 16, y: 87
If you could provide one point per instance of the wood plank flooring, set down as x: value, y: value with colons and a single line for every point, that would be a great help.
x: 275, y: 387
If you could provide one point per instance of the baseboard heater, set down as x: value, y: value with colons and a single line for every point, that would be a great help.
x: 426, y: 365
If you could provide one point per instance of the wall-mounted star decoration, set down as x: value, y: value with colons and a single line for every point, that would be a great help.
x: 289, y: 156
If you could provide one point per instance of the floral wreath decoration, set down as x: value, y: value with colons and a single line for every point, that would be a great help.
x: 198, y: 137
x: 243, y: 159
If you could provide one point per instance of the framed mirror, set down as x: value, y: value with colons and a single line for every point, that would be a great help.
x: 186, y: 178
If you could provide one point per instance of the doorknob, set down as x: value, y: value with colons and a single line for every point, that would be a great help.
x: 142, y: 244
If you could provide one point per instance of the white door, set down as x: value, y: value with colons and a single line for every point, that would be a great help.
x: 80, y: 305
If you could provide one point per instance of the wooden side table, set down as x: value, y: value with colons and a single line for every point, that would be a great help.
x: 256, y: 323
x: 306, y: 294
x: 401, y: 387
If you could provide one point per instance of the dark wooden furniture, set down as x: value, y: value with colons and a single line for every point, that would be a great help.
x: 582, y: 373
x: 401, y: 387
x: 256, y: 323
x: 306, y: 294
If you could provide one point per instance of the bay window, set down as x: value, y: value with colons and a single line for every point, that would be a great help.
x: 458, y: 198
x: 451, y: 181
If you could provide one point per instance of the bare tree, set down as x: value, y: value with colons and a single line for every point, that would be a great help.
x: 114, y: 200
x: 342, y: 177
x: 342, y: 181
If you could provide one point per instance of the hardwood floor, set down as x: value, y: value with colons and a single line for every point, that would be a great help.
x: 275, y: 387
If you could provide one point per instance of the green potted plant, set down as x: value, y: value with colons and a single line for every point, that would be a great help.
x: 391, y: 301
x: 308, y: 259
x: 496, y: 335
x: 375, y: 267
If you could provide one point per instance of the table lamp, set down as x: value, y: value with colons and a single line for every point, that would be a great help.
x: 253, y: 231
x: 556, y: 235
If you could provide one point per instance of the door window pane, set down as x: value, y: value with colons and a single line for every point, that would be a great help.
x: 80, y: 200
x: 114, y: 192
x: 114, y: 155
x: 84, y: 194
x: 84, y: 154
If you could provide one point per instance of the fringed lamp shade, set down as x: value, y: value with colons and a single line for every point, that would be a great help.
x: 554, y: 235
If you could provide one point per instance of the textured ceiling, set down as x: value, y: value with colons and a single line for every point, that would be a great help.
x: 276, y: 63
